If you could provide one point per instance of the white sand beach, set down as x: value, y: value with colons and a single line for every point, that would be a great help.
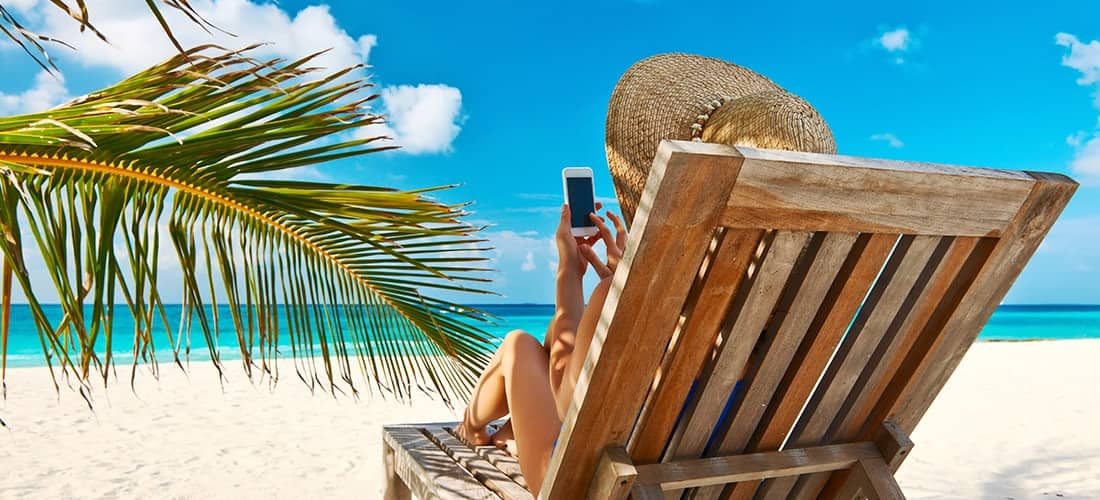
x: 1016, y: 421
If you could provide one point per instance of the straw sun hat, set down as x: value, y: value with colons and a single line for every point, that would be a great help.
x: 688, y: 97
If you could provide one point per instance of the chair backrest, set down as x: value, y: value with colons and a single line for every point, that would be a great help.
x: 775, y: 300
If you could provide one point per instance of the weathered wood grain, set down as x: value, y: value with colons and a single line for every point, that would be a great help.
x: 754, y: 466
x: 614, y: 475
x: 967, y: 234
x: 730, y: 265
x: 794, y: 192
x: 666, y: 248
x: 503, y: 461
x: 854, y: 415
x: 888, y: 304
x: 871, y: 479
x: 395, y: 487
x: 893, y: 443
x: 478, y: 467
x: 929, y: 367
x: 646, y: 492
x: 727, y: 368
x: 852, y: 283
x: 806, y: 292
x: 880, y: 310
x: 426, y: 469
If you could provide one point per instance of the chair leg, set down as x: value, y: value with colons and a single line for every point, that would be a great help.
x: 641, y: 491
x: 871, y: 479
x: 395, y: 487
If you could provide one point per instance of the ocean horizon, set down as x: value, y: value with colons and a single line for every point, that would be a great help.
x: 1010, y: 322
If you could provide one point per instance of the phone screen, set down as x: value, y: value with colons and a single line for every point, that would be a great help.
x: 580, y: 200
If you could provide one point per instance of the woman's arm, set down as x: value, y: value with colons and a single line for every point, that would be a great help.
x: 572, y: 364
x: 568, y: 299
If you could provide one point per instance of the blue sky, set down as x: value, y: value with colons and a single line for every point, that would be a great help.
x: 499, y: 96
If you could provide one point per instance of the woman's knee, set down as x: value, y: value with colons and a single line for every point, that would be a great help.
x: 519, y: 343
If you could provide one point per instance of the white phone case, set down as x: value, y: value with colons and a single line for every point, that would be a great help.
x: 578, y: 172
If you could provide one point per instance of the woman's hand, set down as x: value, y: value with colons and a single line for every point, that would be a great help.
x: 616, y: 245
x: 569, y: 258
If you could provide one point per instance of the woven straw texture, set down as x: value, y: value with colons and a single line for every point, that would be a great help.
x: 683, y: 96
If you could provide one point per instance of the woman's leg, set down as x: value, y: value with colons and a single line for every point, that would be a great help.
x: 489, y: 400
x: 517, y: 382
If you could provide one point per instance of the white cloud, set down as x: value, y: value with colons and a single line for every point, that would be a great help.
x: 422, y: 118
x: 1087, y: 160
x: 21, y: 6
x: 894, y: 41
x: 137, y: 40
x: 897, y: 42
x: 1085, y: 58
x: 366, y: 43
x: 1075, y: 140
x: 890, y: 139
x: 526, y: 265
x: 541, y: 210
x: 513, y: 253
x: 48, y: 91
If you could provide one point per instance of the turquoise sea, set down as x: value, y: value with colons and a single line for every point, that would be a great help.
x: 1010, y: 322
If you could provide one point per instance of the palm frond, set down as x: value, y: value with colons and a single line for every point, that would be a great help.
x: 187, y: 151
x: 34, y: 43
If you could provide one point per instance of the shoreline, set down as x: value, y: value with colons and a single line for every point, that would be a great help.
x: 227, y: 356
x: 1011, y: 422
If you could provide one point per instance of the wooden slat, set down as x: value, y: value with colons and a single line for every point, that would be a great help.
x: 969, y: 303
x: 684, y: 362
x: 838, y: 308
x: 884, y: 364
x: 667, y: 247
x: 614, y: 475
x: 882, y: 312
x: 741, y: 217
x: 778, y: 488
x: 878, y: 313
x: 795, y: 191
x: 503, y: 461
x: 427, y: 470
x: 853, y: 416
x: 499, y: 458
x: 925, y: 373
x: 755, y: 466
x: 760, y: 385
x: 480, y: 468
x: 816, y: 160
x: 878, y: 365
x: 723, y: 372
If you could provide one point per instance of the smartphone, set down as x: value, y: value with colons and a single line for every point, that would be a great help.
x: 580, y: 195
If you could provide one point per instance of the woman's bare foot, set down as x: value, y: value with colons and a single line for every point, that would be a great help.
x: 504, y: 439
x: 473, y: 437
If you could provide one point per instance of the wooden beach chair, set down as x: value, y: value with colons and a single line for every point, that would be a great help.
x: 779, y: 324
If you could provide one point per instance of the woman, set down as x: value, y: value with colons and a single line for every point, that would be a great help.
x: 699, y: 98
x: 533, y: 382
